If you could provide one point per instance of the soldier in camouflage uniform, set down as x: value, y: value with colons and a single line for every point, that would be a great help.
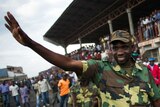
x: 74, y: 89
x: 122, y: 84
x: 84, y: 94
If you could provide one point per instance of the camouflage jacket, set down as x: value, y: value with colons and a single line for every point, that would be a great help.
x: 118, y: 88
x: 84, y: 95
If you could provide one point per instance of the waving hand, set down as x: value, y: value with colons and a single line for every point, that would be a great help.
x: 52, y: 57
x: 13, y: 26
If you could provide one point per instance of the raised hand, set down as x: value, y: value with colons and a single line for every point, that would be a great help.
x: 13, y: 26
x: 52, y: 57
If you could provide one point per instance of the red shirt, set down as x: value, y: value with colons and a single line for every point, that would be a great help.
x: 155, y: 71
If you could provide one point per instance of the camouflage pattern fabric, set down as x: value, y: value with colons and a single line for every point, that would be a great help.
x: 84, y: 95
x: 118, y: 89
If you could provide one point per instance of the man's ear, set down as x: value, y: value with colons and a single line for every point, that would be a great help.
x: 134, y: 48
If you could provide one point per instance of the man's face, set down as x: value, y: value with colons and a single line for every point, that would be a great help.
x: 151, y: 63
x: 121, y: 51
x: 40, y: 78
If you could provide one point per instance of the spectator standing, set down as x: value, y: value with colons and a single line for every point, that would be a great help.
x: 154, y: 69
x: 24, y: 92
x: 64, y: 89
x: 73, y: 77
x: 145, y: 61
x: 28, y: 83
x: 4, y: 90
x: 32, y: 82
x: 55, y: 91
x: 44, y: 87
x: 158, y: 20
x: 15, y: 93
x: 37, y: 92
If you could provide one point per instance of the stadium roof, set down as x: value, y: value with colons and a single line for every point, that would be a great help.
x: 88, y: 19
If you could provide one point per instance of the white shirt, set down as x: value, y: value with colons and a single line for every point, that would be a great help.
x: 44, y: 85
x: 32, y: 81
x: 14, y: 89
x: 104, y: 56
x: 36, y: 87
x: 146, y: 21
x: 146, y: 63
x: 74, y: 76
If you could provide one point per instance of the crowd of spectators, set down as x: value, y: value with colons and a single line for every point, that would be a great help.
x: 149, y: 26
x: 45, y: 88
x: 87, y: 52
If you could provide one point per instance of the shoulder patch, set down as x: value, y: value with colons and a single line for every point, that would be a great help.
x: 85, y: 65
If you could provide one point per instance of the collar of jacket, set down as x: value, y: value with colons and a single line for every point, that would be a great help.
x: 118, y: 68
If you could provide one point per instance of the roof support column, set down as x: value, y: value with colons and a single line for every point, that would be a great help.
x: 130, y: 21
x: 110, y: 26
x: 65, y: 49
x: 80, y: 42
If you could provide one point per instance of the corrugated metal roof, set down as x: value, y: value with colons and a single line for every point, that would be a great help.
x: 3, y: 73
x: 88, y: 19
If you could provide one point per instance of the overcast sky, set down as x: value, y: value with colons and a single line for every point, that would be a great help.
x: 35, y: 18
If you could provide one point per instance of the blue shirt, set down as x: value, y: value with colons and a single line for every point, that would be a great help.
x: 4, y: 88
x: 157, y: 16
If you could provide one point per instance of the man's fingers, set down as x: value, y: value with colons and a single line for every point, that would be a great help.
x: 12, y: 20
x: 7, y: 20
x: 8, y: 28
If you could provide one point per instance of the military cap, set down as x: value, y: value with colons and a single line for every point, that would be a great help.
x: 121, y: 35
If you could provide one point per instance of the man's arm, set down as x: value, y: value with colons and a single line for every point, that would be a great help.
x: 61, y: 61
